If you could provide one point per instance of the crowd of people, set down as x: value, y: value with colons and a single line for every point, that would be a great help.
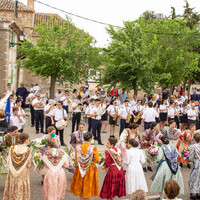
x: 159, y: 129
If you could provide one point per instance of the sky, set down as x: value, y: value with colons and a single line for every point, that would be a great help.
x: 110, y: 11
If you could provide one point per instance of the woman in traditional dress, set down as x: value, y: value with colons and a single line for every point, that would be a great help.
x: 55, y: 182
x: 127, y: 134
x: 171, y: 131
x: 149, y: 137
x: 185, y: 140
x: 17, y: 186
x: 194, y: 156
x: 134, y: 159
x: 168, y: 168
x: 114, y: 182
x: 104, y: 117
x: 85, y: 179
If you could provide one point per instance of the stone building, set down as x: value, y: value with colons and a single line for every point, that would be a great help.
x: 27, y: 18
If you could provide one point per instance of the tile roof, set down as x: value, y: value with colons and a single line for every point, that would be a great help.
x: 43, y: 17
x: 9, y: 5
x: 4, y: 19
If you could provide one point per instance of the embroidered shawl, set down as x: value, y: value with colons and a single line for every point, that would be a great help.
x: 171, y: 158
x: 55, y: 158
x: 117, y: 157
x: 18, y: 161
x: 197, y: 149
x: 84, y: 161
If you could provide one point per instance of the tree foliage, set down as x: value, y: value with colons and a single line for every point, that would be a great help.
x: 62, y: 52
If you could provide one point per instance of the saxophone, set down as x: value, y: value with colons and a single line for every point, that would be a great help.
x: 115, y: 115
x: 139, y: 116
x: 128, y: 117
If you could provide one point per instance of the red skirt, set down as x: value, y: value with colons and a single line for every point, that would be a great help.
x: 114, y: 184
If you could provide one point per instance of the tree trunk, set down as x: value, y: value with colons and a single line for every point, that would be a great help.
x: 184, y: 86
x: 134, y: 85
x: 52, y: 87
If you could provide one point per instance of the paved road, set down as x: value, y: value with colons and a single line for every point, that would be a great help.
x: 36, y: 187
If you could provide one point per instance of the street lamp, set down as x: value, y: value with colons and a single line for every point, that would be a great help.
x: 21, y: 39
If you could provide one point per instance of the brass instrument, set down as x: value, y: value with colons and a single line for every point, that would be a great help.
x: 115, y: 115
x: 139, y: 116
x: 80, y: 105
x: 128, y: 117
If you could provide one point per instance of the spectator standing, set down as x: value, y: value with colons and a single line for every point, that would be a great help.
x: 123, y: 96
x: 22, y: 93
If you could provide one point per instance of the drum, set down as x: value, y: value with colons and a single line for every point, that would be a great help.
x: 60, y: 125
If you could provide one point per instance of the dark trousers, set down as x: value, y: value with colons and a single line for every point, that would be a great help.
x: 39, y: 120
x: 48, y: 123
x: 66, y: 108
x: 76, y: 118
x: 147, y: 125
x: 89, y: 124
x: 123, y: 125
x: 96, y: 128
x: 32, y: 115
x: 60, y: 133
x: 177, y: 121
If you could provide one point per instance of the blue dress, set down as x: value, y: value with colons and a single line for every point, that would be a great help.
x: 194, y: 180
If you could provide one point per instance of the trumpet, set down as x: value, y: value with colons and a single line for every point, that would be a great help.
x: 128, y: 117
x: 139, y: 116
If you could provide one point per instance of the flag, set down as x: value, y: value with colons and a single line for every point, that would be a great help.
x: 7, y: 111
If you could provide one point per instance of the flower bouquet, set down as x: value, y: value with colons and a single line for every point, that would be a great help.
x: 185, y: 153
x: 102, y: 158
x: 153, y: 149
x: 37, y: 161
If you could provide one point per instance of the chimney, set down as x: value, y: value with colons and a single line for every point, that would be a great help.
x: 30, y: 4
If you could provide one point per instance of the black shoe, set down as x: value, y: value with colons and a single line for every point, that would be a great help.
x: 150, y: 169
x: 181, y: 164
x: 42, y: 182
x: 144, y: 169
x: 37, y: 132
x: 32, y: 125
x: 193, y: 196
x: 42, y: 132
x: 63, y: 144
x: 188, y: 166
x: 100, y: 143
x: 95, y: 138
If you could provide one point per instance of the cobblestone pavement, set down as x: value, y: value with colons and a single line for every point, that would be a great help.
x: 36, y: 187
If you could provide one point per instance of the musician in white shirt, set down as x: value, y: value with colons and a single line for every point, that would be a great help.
x: 96, y: 121
x: 84, y: 97
x: 16, y: 119
x: 76, y: 116
x: 66, y: 100
x: 171, y: 112
x: 58, y: 95
x: 38, y: 106
x: 30, y: 98
x: 149, y: 116
x: 112, y: 111
x: 56, y: 115
x: 133, y: 102
x: 47, y: 110
x: 136, y: 110
x: 192, y: 114
x: 104, y: 117
x: 124, y: 112
x: 88, y: 112
x: 163, y: 114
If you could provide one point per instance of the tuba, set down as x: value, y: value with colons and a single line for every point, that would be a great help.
x: 138, y: 116
x: 128, y: 117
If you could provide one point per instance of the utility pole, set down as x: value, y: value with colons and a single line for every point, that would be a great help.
x: 16, y: 8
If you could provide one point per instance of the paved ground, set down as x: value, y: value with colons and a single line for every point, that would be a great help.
x: 36, y: 187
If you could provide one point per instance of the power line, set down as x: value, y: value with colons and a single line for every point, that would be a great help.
x: 107, y: 24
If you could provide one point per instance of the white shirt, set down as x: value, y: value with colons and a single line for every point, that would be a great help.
x: 74, y: 104
x: 14, y: 121
x: 184, y: 98
x: 150, y: 115
x: 46, y: 107
x: 96, y: 110
x: 58, y: 96
x: 35, y: 101
x: 123, y: 111
x: 94, y: 97
x: 84, y: 95
x: 137, y: 108
x: 89, y: 109
x: 36, y: 88
x: 59, y: 114
x: 112, y: 109
x: 65, y: 101
x: 162, y: 107
x: 192, y: 112
x: 21, y: 112
x: 171, y: 111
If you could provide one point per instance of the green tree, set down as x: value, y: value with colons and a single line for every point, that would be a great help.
x: 126, y: 60
x: 62, y: 52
